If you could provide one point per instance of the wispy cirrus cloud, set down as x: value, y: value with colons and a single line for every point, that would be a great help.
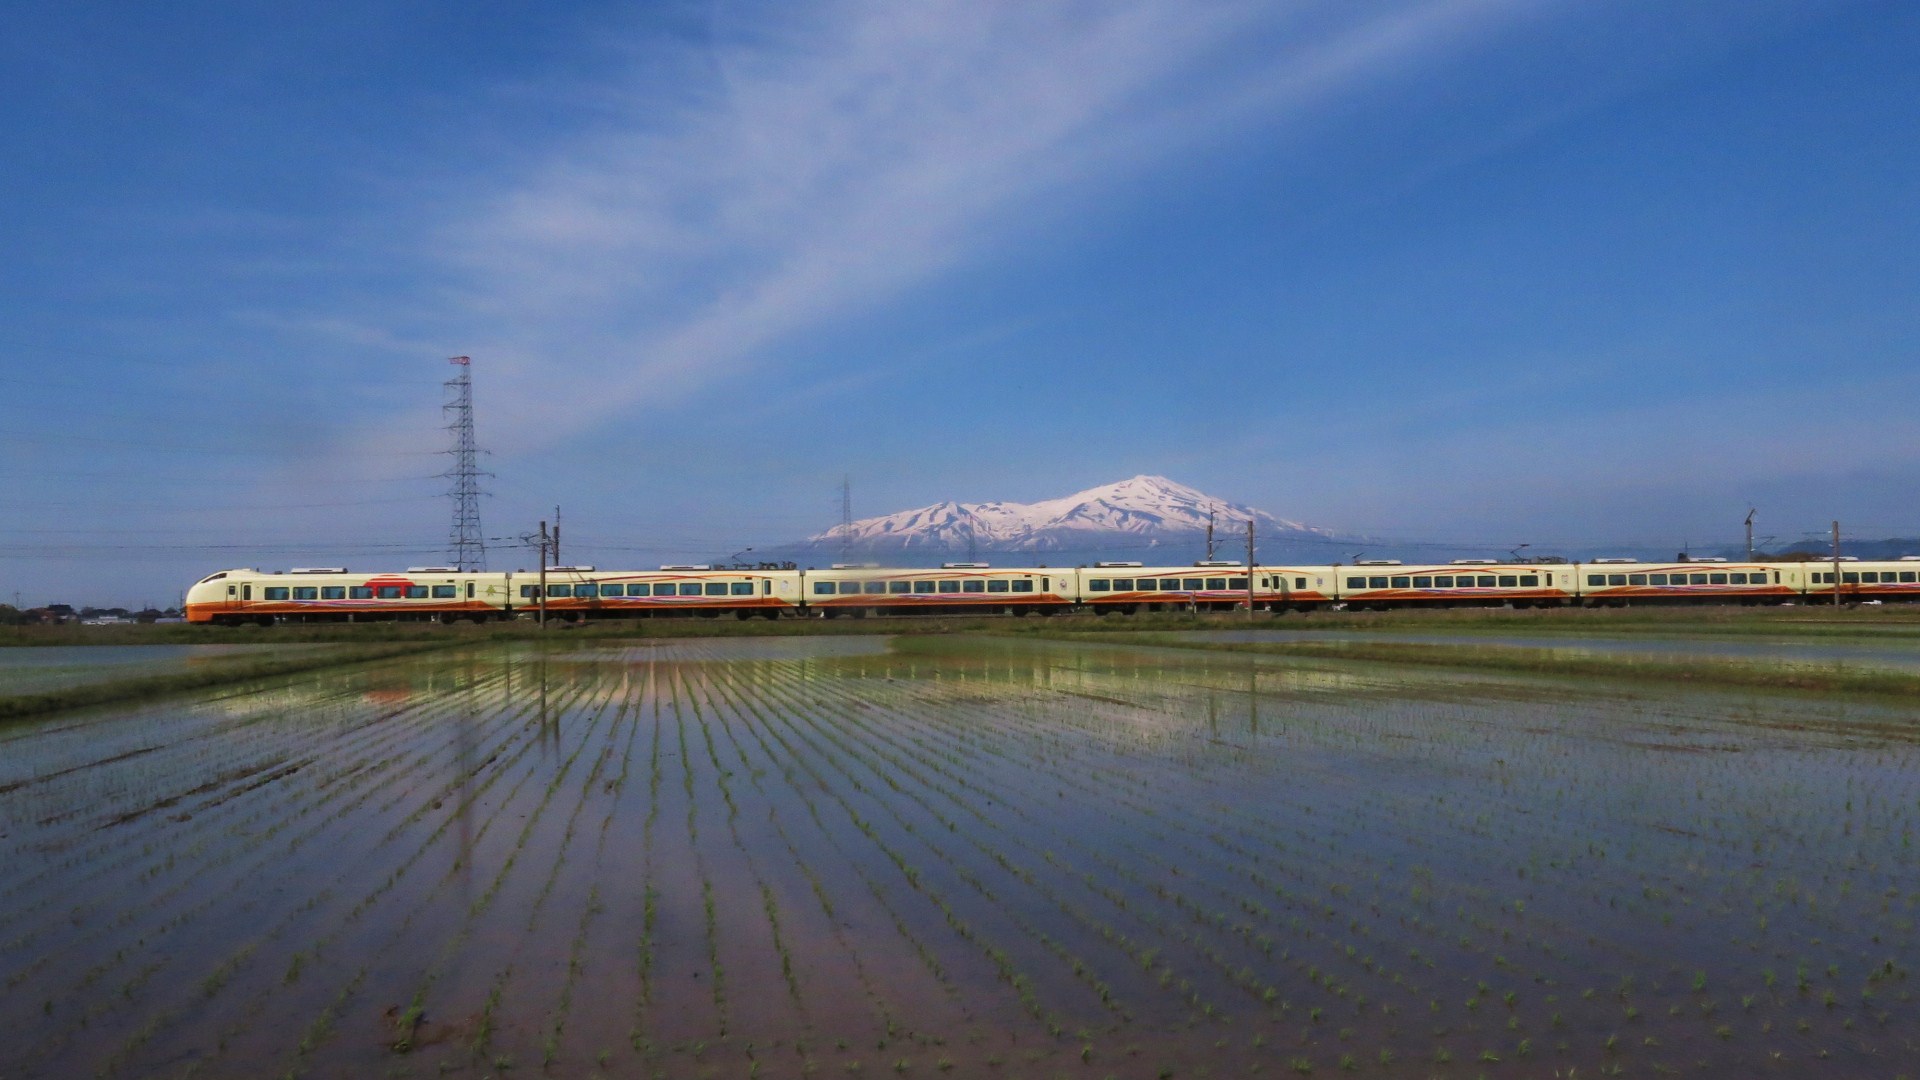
x: 810, y: 169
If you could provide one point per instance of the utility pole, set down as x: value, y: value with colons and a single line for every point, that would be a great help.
x: 1836, y: 564
x: 556, y: 534
x: 1249, y: 569
x: 544, y: 541
x: 466, y: 544
x: 1209, y: 534
x: 1750, y: 512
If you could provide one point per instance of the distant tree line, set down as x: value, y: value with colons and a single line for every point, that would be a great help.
x: 60, y: 613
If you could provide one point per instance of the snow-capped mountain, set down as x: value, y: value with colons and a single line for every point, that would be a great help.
x: 1115, y: 519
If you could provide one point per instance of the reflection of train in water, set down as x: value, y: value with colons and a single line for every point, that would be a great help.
x: 573, y: 593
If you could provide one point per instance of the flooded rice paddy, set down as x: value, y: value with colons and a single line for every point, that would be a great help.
x: 1885, y: 655
x: 37, y: 669
x: 847, y: 857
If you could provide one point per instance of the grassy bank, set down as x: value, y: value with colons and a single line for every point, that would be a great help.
x: 1698, y: 671
x: 240, y: 669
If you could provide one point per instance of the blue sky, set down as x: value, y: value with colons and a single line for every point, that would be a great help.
x: 1487, y: 272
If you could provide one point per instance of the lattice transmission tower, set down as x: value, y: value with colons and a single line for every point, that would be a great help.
x: 466, y: 546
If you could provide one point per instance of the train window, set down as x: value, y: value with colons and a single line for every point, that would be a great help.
x: 1100, y: 584
x: 1529, y: 581
x: 685, y: 588
x: 1443, y: 581
x: 275, y: 592
x: 975, y: 585
x: 1656, y: 579
x: 1216, y: 583
x: 1299, y: 583
x: 1376, y: 583
x: 1123, y: 584
x: 899, y: 586
x: 716, y: 588
x: 528, y: 592
x: 1423, y: 583
x: 1402, y: 582
x: 1485, y: 581
x: 559, y: 590
x: 1167, y: 584
x: 1907, y: 577
x: 1356, y: 583
x: 997, y: 585
x: 1696, y: 579
x: 445, y: 592
x: 823, y: 588
x: 333, y: 592
x: 1239, y: 584
x: 1616, y: 579
x: 390, y: 592
x: 849, y: 587
x: 1850, y: 578
x: 1596, y: 579
x: 1023, y: 584
x: 1741, y: 579
x: 640, y: 589
x: 873, y: 587
x: 1509, y: 581
x: 949, y: 586
x: 1192, y: 584
x: 1636, y: 579
x: 305, y: 592
x: 1716, y: 579
x: 417, y: 592
x: 740, y: 588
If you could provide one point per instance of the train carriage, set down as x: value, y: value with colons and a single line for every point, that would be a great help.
x: 1889, y: 581
x: 1622, y: 581
x: 1130, y: 587
x: 954, y: 589
x: 582, y: 592
x: 1386, y: 583
x: 335, y: 594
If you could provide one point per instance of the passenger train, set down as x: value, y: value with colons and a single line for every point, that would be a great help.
x: 575, y: 593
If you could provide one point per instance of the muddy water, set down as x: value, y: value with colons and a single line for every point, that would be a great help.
x: 832, y: 857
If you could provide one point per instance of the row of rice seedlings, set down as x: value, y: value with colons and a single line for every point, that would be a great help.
x: 273, y: 933
x: 805, y: 781
x: 251, y: 899
x: 1238, y: 974
x: 872, y: 739
x: 398, y: 924
x: 453, y: 948
x: 809, y: 862
x: 99, y: 851
x: 1020, y: 980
